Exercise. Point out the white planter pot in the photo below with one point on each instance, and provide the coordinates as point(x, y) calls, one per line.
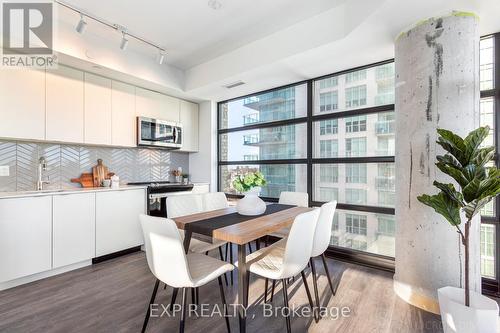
point(480, 317)
point(251, 204)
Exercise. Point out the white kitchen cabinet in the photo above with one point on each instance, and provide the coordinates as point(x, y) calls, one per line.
point(64, 107)
point(148, 103)
point(117, 220)
point(22, 104)
point(97, 112)
point(189, 121)
point(124, 125)
point(170, 108)
point(25, 236)
point(152, 104)
point(73, 230)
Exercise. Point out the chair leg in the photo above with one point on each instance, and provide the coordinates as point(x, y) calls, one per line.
point(272, 291)
point(174, 296)
point(250, 248)
point(327, 271)
point(248, 285)
point(315, 285)
point(232, 261)
point(193, 296)
point(222, 258)
point(224, 304)
point(285, 301)
point(257, 244)
point(183, 310)
point(225, 254)
point(151, 301)
point(265, 290)
point(308, 292)
point(197, 294)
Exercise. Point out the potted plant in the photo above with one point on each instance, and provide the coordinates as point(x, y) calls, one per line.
point(250, 184)
point(463, 310)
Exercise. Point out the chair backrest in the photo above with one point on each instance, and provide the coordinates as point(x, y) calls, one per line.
point(180, 205)
point(214, 201)
point(323, 231)
point(299, 243)
point(165, 252)
point(300, 199)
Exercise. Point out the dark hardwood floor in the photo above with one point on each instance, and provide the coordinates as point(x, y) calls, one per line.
point(112, 297)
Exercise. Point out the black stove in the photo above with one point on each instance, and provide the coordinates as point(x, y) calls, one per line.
point(157, 193)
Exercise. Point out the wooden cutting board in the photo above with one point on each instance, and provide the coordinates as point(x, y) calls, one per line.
point(86, 180)
point(99, 172)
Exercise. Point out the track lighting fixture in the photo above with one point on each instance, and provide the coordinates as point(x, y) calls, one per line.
point(124, 42)
point(85, 16)
point(161, 57)
point(81, 26)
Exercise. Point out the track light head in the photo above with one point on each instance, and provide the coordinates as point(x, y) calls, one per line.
point(81, 26)
point(161, 57)
point(124, 42)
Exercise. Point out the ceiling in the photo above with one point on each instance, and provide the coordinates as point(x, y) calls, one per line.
point(269, 43)
point(192, 32)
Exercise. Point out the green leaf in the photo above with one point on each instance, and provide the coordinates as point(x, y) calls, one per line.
point(474, 139)
point(449, 160)
point(453, 172)
point(443, 205)
point(475, 206)
point(453, 144)
point(449, 190)
point(483, 156)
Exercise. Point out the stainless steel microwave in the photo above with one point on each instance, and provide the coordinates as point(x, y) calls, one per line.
point(159, 133)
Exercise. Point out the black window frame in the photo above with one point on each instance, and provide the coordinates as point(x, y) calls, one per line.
point(342, 253)
point(491, 286)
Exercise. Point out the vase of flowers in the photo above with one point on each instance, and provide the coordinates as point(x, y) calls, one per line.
point(250, 184)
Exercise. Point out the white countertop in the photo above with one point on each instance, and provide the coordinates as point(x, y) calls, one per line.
point(20, 194)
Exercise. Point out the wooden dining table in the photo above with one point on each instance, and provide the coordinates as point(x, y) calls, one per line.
point(227, 225)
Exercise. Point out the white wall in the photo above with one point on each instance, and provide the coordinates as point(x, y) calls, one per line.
point(203, 165)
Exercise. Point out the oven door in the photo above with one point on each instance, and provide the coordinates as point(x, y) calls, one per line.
point(154, 132)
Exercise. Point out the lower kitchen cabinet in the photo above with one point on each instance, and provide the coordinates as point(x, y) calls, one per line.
point(25, 236)
point(117, 220)
point(73, 228)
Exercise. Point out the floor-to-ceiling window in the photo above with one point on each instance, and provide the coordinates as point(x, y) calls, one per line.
point(361, 157)
point(490, 108)
point(265, 132)
point(332, 137)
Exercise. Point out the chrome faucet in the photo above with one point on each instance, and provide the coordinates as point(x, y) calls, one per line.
point(42, 166)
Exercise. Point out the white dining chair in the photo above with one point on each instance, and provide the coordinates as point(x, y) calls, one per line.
point(169, 263)
point(287, 257)
point(300, 199)
point(181, 205)
point(321, 243)
point(214, 201)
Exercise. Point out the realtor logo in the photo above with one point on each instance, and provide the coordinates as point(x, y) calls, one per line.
point(27, 34)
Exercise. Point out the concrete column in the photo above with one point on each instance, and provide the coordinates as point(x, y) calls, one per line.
point(437, 86)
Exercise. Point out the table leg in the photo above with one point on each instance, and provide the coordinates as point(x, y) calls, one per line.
point(187, 240)
point(242, 286)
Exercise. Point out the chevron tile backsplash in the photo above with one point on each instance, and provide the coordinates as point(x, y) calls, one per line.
point(69, 161)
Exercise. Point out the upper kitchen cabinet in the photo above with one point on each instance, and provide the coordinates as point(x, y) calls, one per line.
point(64, 107)
point(98, 112)
point(189, 121)
point(152, 104)
point(171, 108)
point(124, 126)
point(22, 104)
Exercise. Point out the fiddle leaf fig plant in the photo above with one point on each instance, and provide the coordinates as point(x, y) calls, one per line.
point(466, 162)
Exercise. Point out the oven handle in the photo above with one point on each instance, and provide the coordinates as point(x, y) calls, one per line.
point(167, 194)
